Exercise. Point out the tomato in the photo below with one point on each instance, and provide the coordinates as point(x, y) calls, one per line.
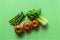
point(35, 24)
point(27, 26)
point(18, 29)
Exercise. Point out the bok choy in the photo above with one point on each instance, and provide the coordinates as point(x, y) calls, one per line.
point(35, 14)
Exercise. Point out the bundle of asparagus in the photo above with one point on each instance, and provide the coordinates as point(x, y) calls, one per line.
point(17, 19)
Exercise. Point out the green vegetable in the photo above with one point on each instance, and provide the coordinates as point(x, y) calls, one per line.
point(42, 21)
point(34, 14)
point(21, 18)
point(14, 19)
point(17, 19)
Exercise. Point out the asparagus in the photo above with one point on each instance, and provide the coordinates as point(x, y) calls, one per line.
point(14, 19)
point(21, 18)
point(17, 19)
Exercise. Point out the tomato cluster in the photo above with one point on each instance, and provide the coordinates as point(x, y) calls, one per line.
point(26, 26)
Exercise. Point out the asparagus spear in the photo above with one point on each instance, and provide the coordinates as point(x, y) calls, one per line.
point(17, 19)
point(21, 18)
point(14, 19)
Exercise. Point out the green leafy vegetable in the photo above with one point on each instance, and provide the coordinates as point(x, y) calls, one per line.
point(34, 14)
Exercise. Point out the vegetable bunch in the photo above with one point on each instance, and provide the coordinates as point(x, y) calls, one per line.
point(17, 19)
point(35, 14)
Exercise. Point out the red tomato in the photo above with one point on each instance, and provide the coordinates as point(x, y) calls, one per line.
point(27, 26)
point(18, 29)
point(35, 24)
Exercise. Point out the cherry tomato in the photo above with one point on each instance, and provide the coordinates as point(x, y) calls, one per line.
point(27, 26)
point(18, 29)
point(35, 24)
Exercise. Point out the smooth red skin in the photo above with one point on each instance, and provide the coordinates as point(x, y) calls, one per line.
point(15, 29)
point(27, 24)
point(35, 22)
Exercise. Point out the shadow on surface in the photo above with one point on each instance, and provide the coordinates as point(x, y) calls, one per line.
point(37, 29)
point(21, 35)
point(45, 27)
point(29, 32)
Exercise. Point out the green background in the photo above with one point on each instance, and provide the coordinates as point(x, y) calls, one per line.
point(50, 11)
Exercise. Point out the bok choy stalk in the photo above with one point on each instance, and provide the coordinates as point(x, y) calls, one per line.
point(34, 14)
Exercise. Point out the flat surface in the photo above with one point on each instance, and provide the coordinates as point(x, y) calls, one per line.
point(50, 11)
